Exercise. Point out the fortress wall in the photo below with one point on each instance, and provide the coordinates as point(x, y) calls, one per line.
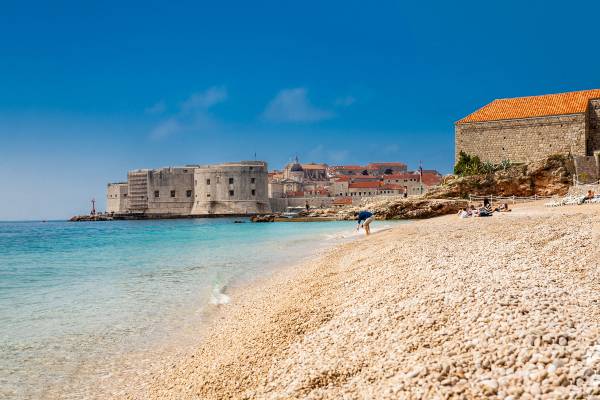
point(171, 191)
point(116, 197)
point(522, 140)
point(234, 188)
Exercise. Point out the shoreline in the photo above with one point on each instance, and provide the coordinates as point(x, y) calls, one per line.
point(413, 312)
point(134, 368)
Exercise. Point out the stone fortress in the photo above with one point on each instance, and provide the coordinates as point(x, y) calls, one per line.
point(526, 129)
point(238, 188)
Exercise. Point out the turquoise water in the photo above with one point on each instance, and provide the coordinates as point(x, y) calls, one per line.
point(74, 297)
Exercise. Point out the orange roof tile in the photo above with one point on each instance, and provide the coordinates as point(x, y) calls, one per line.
point(348, 167)
point(431, 179)
point(364, 185)
point(533, 106)
point(404, 175)
point(385, 164)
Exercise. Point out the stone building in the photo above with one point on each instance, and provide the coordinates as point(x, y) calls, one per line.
point(116, 197)
point(526, 129)
point(386, 168)
point(232, 188)
point(193, 190)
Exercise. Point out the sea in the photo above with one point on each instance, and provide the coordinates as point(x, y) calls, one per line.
point(79, 300)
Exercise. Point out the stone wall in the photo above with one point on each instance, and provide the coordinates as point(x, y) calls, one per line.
point(593, 127)
point(523, 140)
point(116, 197)
point(587, 168)
point(235, 188)
point(171, 191)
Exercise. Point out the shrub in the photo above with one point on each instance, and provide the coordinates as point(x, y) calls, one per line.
point(472, 165)
point(467, 165)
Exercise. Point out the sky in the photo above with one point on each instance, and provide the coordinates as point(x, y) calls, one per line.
point(90, 90)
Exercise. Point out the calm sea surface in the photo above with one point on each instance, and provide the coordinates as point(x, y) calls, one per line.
point(74, 297)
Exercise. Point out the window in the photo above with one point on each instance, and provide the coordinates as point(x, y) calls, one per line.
point(188, 193)
point(172, 193)
point(231, 181)
point(208, 181)
point(195, 182)
point(125, 195)
point(252, 180)
point(207, 194)
point(253, 192)
point(231, 192)
point(156, 193)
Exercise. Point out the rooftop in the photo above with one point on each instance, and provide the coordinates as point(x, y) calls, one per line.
point(386, 164)
point(533, 106)
point(364, 185)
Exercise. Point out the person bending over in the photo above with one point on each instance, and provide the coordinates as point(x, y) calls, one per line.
point(364, 219)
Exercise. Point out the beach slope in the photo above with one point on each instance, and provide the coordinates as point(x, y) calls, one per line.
point(482, 307)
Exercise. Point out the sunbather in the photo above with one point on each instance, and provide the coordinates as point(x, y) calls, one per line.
point(589, 196)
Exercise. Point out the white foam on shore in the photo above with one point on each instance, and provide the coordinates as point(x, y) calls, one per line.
point(217, 296)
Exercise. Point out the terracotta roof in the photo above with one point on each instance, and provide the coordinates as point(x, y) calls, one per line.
point(534, 106)
point(386, 164)
point(343, 179)
point(430, 179)
point(349, 167)
point(364, 185)
point(364, 178)
point(405, 175)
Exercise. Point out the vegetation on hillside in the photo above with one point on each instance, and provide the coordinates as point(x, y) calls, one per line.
point(468, 165)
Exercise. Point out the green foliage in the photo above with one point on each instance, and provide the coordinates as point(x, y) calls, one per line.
point(504, 165)
point(467, 165)
point(471, 165)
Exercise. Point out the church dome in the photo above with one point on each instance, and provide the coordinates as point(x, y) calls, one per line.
point(296, 168)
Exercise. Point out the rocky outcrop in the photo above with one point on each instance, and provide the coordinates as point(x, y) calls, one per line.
point(263, 218)
point(97, 217)
point(400, 208)
point(552, 176)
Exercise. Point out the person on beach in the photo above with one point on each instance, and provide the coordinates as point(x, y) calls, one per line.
point(463, 213)
point(503, 208)
point(590, 195)
point(364, 219)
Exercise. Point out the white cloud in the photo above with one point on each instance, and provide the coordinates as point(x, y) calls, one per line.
point(157, 108)
point(293, 105)
point(204, 100)
point(193, 114)
point(166, 128)
point(321, 153)
point(345, 101)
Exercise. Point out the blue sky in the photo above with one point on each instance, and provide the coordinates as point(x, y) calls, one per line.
point(89, 91)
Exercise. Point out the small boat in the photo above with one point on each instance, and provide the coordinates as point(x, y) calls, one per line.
point(292, 212)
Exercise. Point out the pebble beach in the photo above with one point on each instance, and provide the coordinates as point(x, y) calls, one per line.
point(504, 307)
